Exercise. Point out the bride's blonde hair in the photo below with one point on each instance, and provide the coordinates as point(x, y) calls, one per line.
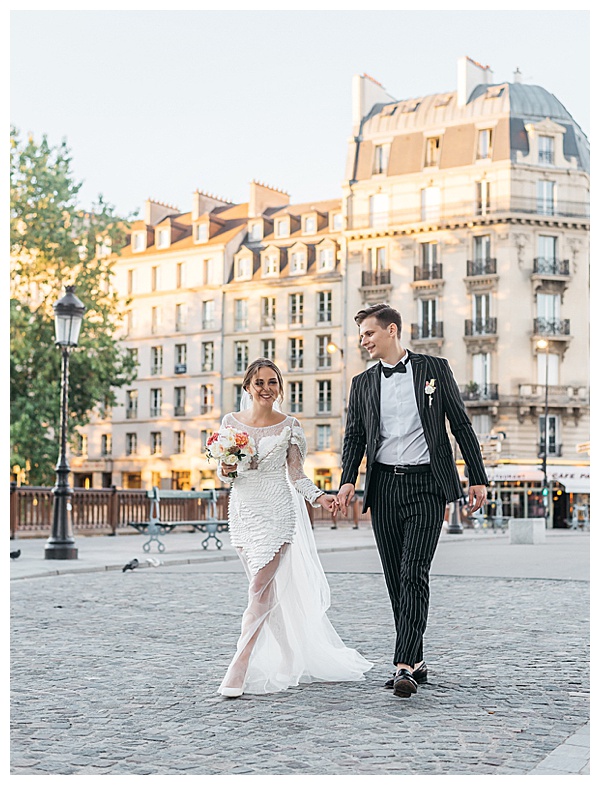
point(254, 368)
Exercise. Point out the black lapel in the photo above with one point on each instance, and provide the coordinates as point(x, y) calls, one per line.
point(417, 362)
point(374, 401)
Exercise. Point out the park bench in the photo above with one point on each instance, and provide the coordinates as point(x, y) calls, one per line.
point(155, 526)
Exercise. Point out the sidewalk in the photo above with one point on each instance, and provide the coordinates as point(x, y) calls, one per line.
point(116, 673)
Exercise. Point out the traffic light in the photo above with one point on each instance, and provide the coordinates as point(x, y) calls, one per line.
point(544, 491)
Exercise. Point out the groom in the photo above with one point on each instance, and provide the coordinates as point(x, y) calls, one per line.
point(397, 411)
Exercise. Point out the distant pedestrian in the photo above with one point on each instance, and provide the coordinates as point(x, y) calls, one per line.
point(397, 412)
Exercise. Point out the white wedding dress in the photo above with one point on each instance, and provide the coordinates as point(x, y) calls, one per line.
point(286, 637)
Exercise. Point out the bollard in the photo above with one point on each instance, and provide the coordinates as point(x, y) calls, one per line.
point(526, 531)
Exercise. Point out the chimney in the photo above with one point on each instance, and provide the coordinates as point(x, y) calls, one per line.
point(366, 92)
point(517, 76)
point(471, 74)
point(204, 203)
point(264, 196)
point(154, 211)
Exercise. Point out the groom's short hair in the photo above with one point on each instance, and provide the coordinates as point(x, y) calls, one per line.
point(384, 314)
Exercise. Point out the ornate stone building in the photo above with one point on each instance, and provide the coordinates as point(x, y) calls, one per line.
point(467, 210)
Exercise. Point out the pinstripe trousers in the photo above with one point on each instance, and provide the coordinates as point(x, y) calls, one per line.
point(407, 512)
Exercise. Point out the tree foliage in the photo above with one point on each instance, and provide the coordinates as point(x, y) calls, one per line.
point(54, 243)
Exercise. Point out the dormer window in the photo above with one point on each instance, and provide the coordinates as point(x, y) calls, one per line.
point(243, 268)
point(282, 227)
point(326, 259)
point(201, 233)
point(163, 238)
point(337, 222)
point(255, 232)
point(271, 264)
point(298, 262)
point(138, 242)
point(380, 159)
point(310, 224)
point(484, 143)
point(546, 150)
point(432, 151)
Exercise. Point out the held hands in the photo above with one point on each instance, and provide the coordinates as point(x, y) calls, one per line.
point(344, 497)
point(329, 503)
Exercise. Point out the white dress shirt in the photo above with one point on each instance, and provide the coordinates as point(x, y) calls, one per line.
point(401, 437)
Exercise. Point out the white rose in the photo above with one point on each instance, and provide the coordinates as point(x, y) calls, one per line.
point(227, 438)
point(229, 460)
point(216, 450)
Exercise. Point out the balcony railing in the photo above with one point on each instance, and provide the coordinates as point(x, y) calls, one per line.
point(432, 273)
point(179, 411)
point(481, 326)
point(542, 266)
point(425, 331)
point(180, 368)
point(551, 326)
point(554, 450)
point(481, 267)
point(557, 394)
point(453, 211)
point(131, 414)
point(479, 392)
point(267, 321)
point(379, 278)
point(155, 411)
point(156, 370)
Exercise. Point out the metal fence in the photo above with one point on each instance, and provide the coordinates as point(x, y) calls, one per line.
point(104, 511)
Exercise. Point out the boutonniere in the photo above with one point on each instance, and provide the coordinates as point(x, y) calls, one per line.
point(430, 388)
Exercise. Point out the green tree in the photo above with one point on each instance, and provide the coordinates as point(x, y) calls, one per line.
point(54, 243)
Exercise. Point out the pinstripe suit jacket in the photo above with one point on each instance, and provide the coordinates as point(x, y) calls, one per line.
point(362, 426)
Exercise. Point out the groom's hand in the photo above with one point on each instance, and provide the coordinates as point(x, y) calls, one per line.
point(477, 496)
point(345, 494)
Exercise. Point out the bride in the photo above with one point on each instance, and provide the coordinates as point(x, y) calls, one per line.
point(286, 637)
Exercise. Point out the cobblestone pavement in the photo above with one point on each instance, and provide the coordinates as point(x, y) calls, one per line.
point(116, 673)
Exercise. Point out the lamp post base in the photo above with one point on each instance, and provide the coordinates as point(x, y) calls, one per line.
point(60, 550)
point(454, 524)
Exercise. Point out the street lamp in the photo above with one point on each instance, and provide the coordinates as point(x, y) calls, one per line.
point(68, 315)
point(543, 344)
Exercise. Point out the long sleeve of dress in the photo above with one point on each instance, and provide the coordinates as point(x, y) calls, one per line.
point(295, 463)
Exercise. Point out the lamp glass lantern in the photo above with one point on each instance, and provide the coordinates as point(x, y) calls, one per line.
point(68, 316)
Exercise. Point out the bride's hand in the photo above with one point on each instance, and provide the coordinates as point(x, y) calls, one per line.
point(228, 468)
point(328, 502)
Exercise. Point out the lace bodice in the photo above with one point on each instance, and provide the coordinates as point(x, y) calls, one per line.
point(262, 514)
point(278, 446)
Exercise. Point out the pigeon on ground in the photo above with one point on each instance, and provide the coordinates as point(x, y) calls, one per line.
point(131, 565)
point(153, 562)
point(15, 554)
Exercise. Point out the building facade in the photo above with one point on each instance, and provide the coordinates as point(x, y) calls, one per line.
point(466, 210)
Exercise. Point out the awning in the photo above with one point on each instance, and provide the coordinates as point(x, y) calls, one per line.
point(576, 479)
point(510, 473)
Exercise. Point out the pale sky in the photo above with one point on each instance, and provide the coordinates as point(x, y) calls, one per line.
point(159, 103)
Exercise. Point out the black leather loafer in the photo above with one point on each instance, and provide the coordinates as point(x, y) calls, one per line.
point(404, 684)
point(419, 675)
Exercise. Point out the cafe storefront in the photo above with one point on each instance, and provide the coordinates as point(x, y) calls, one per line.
point(515, 491)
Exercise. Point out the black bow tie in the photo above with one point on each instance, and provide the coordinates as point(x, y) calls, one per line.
point(400, 368)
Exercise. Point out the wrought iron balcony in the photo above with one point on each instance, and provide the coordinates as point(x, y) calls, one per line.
point(554, 450)
point(179, 411)
point(542, 266)
point(481, 267)
point(378, 278)
point(180, 368)
point(481, 326)
point(551, 326)
point(155, 411)
point(479, 392)
point(131, 414)
point(432, 273)
point(426, 330)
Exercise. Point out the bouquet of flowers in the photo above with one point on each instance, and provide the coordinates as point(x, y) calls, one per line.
point(230, 447)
